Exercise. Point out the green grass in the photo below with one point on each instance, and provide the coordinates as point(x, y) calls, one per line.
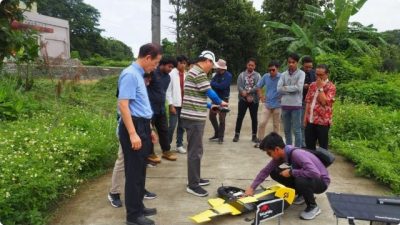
point(52, 144)
point(369, 135)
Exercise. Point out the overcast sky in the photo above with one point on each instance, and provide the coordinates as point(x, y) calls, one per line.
point(130, 20)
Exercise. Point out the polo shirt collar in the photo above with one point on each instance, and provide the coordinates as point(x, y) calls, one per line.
point(138, 67)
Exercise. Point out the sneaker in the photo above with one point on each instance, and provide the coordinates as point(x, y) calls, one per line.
point(115, 200)
point(151, 165)
point(169, 156)
point(213, 138)
point(204, 182)
point(181, 149)
point(236, 138)
point(299, 200)
point(149, 195)
point(310, 212)
point(199, 191)
point(154, 158)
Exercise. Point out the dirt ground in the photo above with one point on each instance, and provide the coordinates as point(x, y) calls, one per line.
point(234, 164)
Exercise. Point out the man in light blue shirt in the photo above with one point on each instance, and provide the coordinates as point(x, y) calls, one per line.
point(135, 134)
point(272, 100)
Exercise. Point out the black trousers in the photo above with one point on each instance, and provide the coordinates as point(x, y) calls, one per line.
point(135, 166)
point(160, 122)
point(303, 186)
point(219, 129)
point(242, 108)
point(314, 133)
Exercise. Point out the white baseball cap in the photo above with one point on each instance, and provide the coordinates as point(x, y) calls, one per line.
point(209, 55)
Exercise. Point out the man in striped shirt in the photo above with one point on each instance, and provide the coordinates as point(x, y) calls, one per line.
point(194, 113)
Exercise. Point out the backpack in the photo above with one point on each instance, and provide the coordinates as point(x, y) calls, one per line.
point(325, 156)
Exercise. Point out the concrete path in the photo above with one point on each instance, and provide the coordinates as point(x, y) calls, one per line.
point(234, 164)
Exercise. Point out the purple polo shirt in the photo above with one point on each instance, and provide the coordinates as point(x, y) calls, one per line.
point(304, 164)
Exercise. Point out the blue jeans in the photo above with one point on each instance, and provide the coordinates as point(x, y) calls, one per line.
point(173, 119)
point(292, 124)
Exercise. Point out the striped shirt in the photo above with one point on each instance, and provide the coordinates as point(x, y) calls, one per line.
point(195, 97)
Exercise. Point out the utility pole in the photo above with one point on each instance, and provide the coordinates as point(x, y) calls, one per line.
point(156, 21)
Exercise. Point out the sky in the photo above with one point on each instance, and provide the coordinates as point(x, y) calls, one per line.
point(130, 20)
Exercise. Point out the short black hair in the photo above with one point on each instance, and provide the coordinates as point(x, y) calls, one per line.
point(323, 66)
point(182, 58)
point(167, 60)
point(150, 49)
point(306, 59)
point(252, 60)
point(294, 56)
point(271, 141)
point(191, 62)
point(274, 63)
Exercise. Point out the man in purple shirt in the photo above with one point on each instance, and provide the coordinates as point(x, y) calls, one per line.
point(306, 174)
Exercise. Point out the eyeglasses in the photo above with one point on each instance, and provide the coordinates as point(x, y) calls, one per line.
point(272, 70)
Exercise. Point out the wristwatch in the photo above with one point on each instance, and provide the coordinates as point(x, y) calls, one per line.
point(320, 89)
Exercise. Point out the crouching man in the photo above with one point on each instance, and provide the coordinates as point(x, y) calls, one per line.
point(306, 174)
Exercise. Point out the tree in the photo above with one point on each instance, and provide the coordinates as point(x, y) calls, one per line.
point(83, 20)
point(13, 42)
point(232, 29)
point(178, 8)
point(286, 12)
point(329, 30)
point(84, 27)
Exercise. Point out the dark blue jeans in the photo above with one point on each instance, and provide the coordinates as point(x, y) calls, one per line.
point(173, 120)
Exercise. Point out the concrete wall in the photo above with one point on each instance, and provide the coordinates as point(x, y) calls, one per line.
point(56, 44)
point(67, 71)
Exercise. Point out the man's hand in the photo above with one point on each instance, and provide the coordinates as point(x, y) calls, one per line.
point(249, 191)
point(306, 86)
point(135, 141)
point(154, 138)
point(305, 122)
point(320, 83)
point(223, 104)
point(243, 93)
point(172, 109)
point(285, 173)
point(262, 98)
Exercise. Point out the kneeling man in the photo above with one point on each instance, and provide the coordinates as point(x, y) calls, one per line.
point(306, 174)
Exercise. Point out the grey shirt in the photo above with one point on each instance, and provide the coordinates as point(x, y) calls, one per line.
point(291, 88)
point(241, 84)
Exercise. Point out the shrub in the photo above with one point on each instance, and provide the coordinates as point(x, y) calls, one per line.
point(47, 156)
point(379, 92)
point(341, 70)
point(369, 136)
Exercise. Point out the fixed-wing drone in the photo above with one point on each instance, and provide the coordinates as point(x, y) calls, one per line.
point(232, 200)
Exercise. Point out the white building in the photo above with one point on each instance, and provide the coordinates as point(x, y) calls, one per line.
point(54, 41)
point(55, 44)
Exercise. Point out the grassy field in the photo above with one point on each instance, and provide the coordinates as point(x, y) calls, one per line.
point(52, 138)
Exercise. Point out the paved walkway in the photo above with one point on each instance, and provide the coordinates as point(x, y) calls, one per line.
point(234, 164)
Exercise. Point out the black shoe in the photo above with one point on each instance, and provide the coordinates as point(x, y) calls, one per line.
point(213, 138)
point(199, 191)
point(236, 138)
point(254, 138)
point(149, 195)
point(149, 211)
point(220, 141)
point(115, 200)
point(204, 182)
point(141, 220)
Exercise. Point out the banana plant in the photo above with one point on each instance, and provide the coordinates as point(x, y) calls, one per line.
point(329, 30)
